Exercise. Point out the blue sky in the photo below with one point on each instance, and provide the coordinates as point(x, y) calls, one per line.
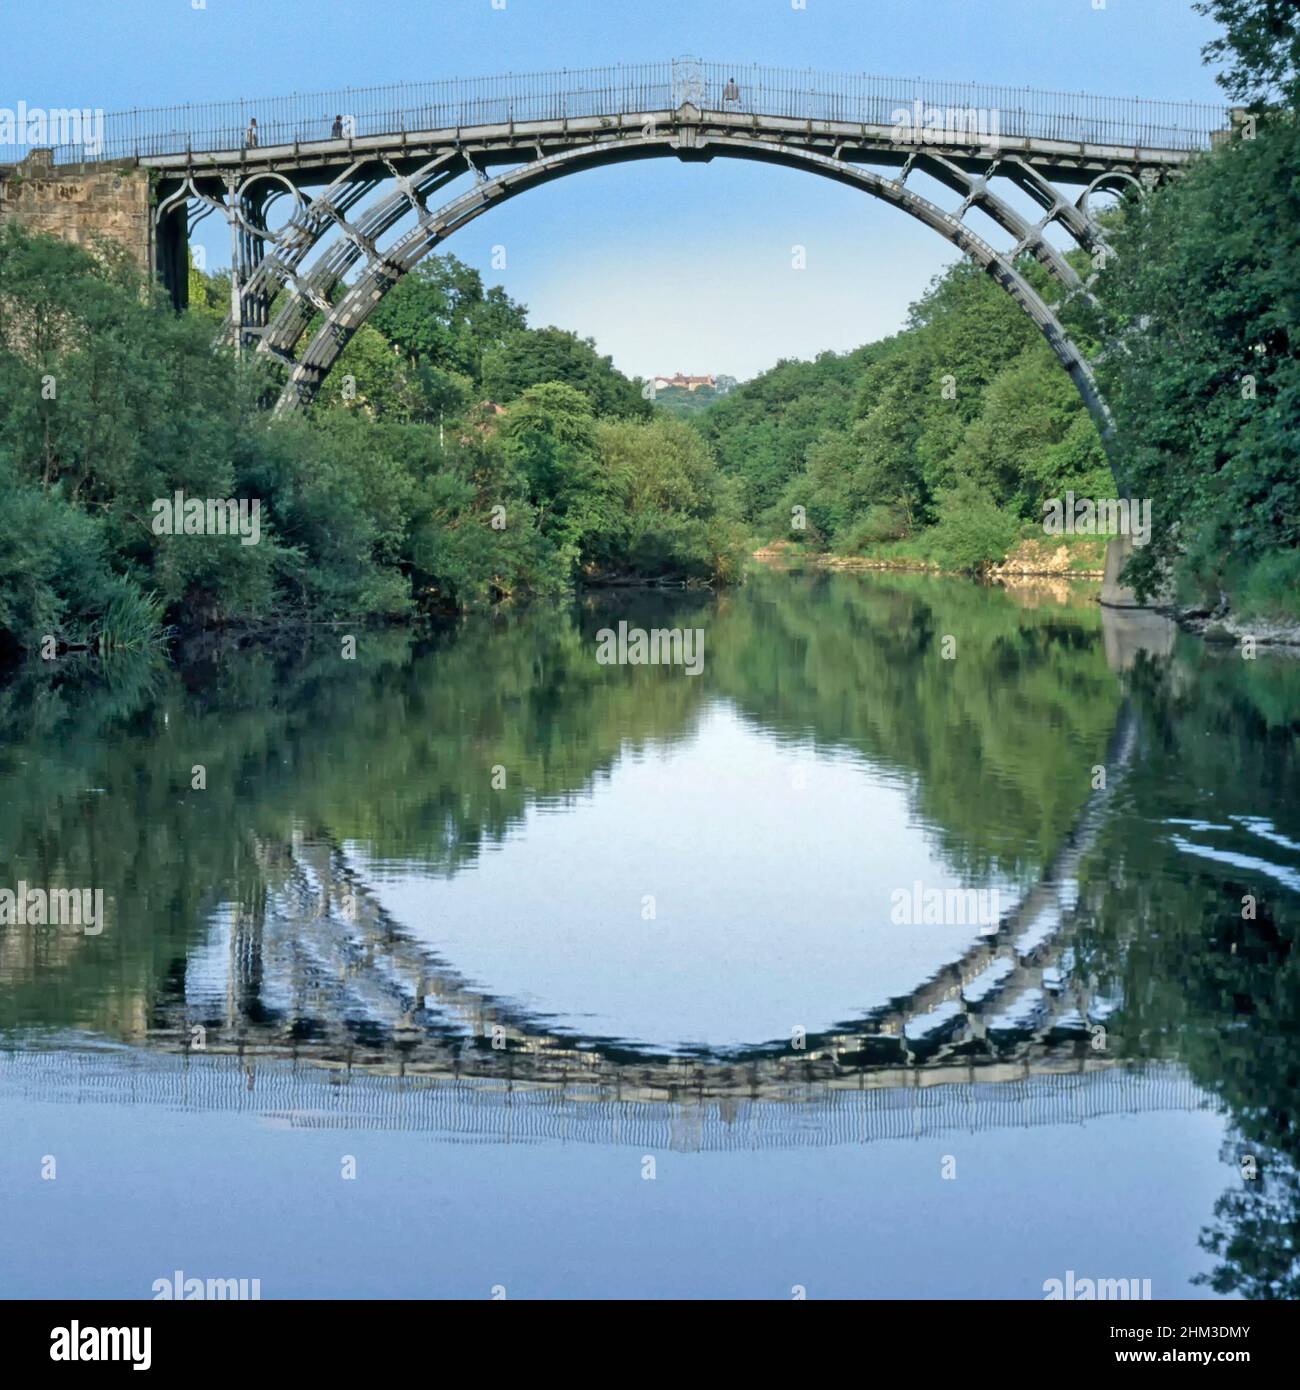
point(667, 266)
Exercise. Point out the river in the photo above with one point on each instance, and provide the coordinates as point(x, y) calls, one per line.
point(904, 937)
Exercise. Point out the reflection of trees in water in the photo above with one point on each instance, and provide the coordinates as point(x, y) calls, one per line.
point(981, 739)
point(397, 749)
point(1165, 932)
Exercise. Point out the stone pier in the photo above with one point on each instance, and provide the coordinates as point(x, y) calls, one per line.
point(81, 203)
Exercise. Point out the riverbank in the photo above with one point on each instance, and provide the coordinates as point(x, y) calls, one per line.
point(1033, 563)
point(1028, 558)
point(1227, 629)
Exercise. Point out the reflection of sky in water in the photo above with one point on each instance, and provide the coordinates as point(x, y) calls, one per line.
point(772, 868)
point(773, 865)
point(1256, 826)
point(228, 1195)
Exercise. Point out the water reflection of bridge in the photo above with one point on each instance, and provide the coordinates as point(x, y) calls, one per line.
point(801, 1115)
point(314, 969)
point(317, 1009)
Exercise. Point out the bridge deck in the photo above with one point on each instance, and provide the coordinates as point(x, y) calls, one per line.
point(503, 142)
point(542, 100)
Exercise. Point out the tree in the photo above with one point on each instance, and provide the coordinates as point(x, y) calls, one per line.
point(866, 442)
point(761, 431)
point(1016, 448)
point(1262, 46)
point(108, 401)
point(1207, 388)
point(440, 316)
point(550, 437)
point(672, 513)
point(532, 356)
point(372, 376)
point(972, 532)
point(399, 490)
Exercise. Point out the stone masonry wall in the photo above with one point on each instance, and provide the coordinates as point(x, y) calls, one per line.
point(79, 203)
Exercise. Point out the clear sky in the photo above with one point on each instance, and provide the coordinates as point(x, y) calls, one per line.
point(668, 266)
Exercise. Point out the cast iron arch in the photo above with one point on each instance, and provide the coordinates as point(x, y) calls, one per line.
point(383, 269)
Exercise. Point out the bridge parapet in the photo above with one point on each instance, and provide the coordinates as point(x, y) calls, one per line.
point(749, 89)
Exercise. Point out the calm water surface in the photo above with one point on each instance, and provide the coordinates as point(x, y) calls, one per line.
point(603, 980)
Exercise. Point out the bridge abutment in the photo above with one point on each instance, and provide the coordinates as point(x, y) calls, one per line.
point(1114, 593)
point(86, 204)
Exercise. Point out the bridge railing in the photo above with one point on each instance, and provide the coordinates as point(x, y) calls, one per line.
point(802, 94)
point(1075, 117)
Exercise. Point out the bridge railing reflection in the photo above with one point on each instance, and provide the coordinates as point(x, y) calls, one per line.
point(309, 1096)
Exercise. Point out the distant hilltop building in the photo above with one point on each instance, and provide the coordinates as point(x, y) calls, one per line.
point(684, 383)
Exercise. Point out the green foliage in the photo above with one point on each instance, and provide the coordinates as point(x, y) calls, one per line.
point(550, 440)
point(209, 295)
point(1207, 387)
point(478, 537)
point(108, 401)
point(396, 494)
point(1262, 44)
point(762, 431)
point(967, 405)
point(1032, 439)
point(531, 356)
point(127, 620)
point(52, 566)
point(372, 376)
point(673, 513)
point(1269, 588)
point(971, 531)
point(620, 498)
point(682, 403)
point(440, 316)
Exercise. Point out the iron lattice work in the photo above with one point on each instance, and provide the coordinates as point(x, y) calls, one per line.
point(365, 178)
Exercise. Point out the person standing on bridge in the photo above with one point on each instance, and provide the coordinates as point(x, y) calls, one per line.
point(250, 135)
point(731, 94)
point(336, 131)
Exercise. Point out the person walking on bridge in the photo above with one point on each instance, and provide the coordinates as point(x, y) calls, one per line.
point(336, 131)
point(731, 94)
point(250, 135)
